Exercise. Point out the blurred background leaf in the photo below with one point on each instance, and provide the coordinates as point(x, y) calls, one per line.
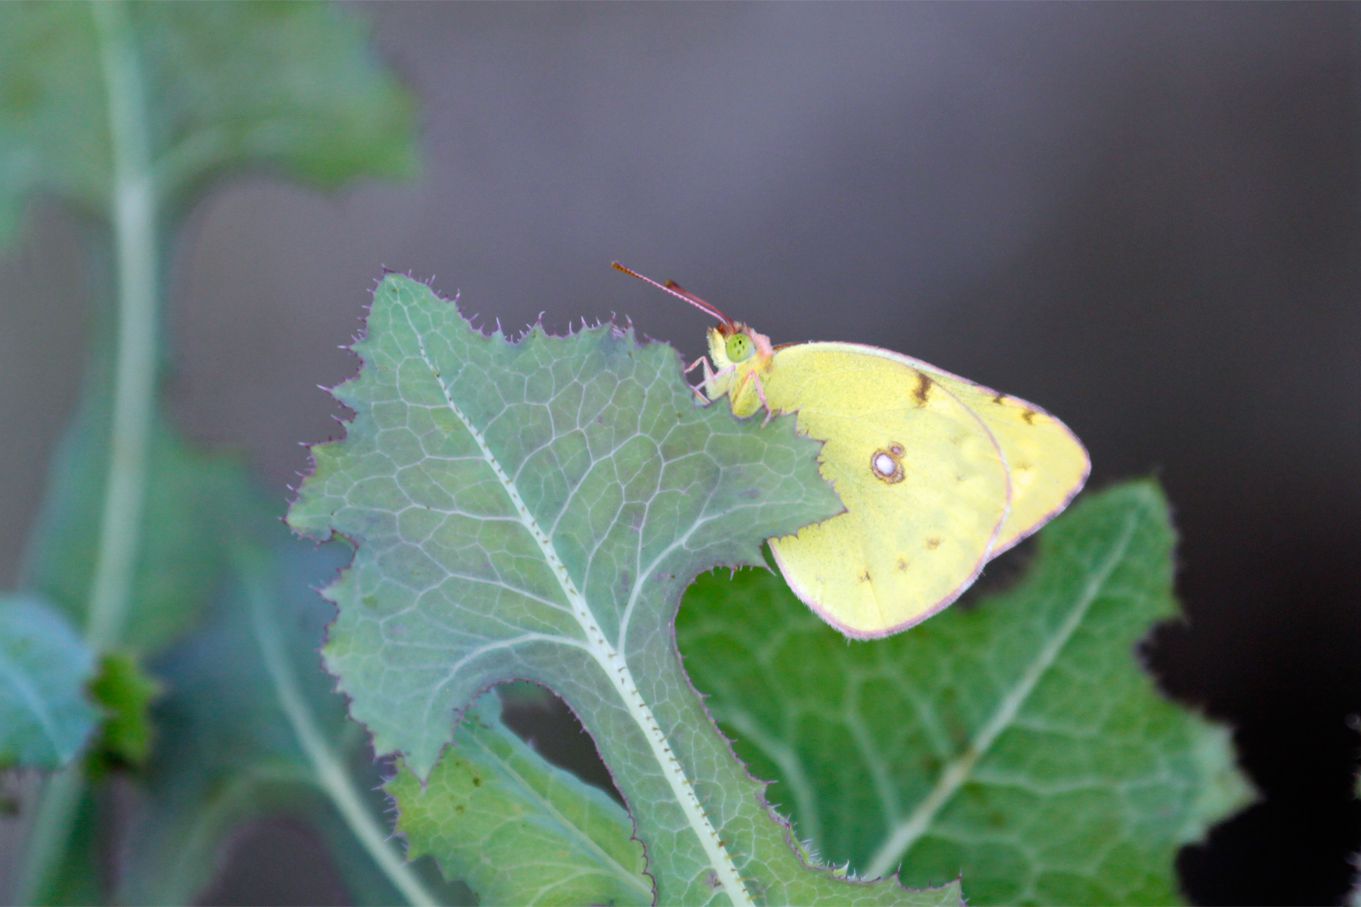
point(288, 85)
point(251, 727)
point(127, 111)
point(45, 715)
point(197, 506)
point(125, 693)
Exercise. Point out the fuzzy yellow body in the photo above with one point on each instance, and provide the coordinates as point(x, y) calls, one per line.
point(937, 474)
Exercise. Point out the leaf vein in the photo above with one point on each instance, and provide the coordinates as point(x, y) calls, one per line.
point(953, 776)
point(610, 660)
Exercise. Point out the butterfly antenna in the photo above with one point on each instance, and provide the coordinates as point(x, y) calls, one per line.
point(707, 308)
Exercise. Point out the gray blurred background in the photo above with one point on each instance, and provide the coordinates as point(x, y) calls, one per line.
point(1146, 218)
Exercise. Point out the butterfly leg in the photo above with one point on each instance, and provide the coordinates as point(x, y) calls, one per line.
point(714, 384)
point(699, 390)
point(755, 380)
point(690, 368)
point(761, 393)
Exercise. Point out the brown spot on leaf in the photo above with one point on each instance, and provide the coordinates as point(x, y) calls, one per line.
point(923, 389)
point(933, 543)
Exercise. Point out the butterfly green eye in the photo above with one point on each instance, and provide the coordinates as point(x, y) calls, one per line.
point(738, 347)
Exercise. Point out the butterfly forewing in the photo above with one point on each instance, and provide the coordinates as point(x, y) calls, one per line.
point(924, 484)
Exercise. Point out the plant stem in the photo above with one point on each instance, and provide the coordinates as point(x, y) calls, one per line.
point(331, 774)
point(132, 205)
point(48, 834)
point(134, 381)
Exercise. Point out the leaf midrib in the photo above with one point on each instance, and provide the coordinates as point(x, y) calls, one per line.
point(608, 658)
point(906, 833)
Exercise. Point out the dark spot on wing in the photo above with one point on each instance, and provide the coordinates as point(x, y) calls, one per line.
point(923, 389)
point(999, 399)
point(864, 577)
point(902, 564)
point(933, 543)
point(1029, 416)
point(892, 454)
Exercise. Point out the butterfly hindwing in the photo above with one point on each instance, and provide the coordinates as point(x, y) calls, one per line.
point(923, 480)
point(1048, 464)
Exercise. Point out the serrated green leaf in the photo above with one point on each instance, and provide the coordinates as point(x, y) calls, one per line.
point(533, 510)
point(125, 692)
point(249, 727)
point(1017, 741)
point(517, 829)
point(45, 714)
point(291, 85)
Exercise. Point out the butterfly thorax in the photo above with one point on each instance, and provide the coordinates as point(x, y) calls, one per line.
point(741, 357)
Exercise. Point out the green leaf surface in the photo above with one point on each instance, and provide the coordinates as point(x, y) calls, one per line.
point(292, 85)
point(517, 829)
point(1017, 740)
point(250, 727)
point(195, 505)
point(45, 714)
point(125, 693)
point(533, 510)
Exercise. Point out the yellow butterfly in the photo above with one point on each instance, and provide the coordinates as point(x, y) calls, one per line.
point(938, 475)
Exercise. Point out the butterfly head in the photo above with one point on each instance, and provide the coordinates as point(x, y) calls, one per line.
point(734, 348)
point(734, 345)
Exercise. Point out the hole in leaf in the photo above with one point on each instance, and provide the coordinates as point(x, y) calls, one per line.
point(539, 717)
